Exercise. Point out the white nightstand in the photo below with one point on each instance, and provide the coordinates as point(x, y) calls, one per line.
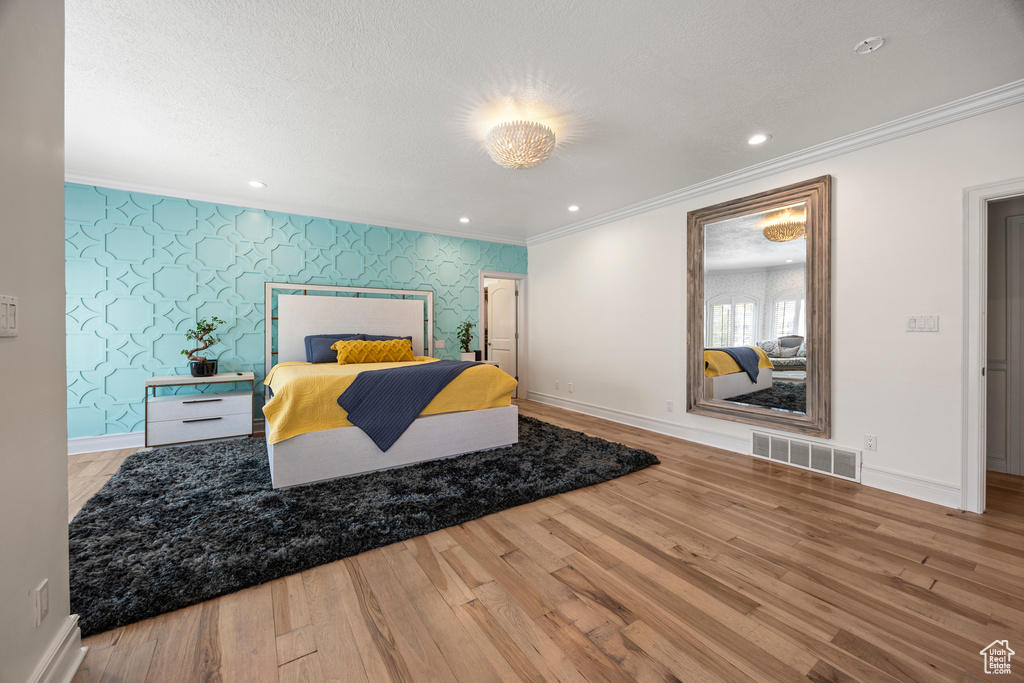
point(184, 418)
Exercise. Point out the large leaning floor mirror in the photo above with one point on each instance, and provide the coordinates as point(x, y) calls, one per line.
point(759, 301)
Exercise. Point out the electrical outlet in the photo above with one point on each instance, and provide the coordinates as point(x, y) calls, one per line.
point(556, 385)
point(870, 442)
point(668, 406)
point(42, 601)
point(439, 343)
point(570, 387)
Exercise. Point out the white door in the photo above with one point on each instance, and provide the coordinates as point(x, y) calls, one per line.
point(501, 324)
point(1005, 358)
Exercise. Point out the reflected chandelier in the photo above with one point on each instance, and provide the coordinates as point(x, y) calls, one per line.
point(520, 144)
point(785, 228)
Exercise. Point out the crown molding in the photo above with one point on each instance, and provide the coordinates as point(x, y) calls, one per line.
point(996, 98)
point(113, 183)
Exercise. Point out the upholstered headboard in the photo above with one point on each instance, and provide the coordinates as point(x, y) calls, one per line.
point(352, 310)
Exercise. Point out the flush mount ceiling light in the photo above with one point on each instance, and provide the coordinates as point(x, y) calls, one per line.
point(785, 227)
point(520, 144)
point(869, 45)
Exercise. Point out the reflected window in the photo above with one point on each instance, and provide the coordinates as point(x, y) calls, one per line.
point(732, 321)
point(789, 311)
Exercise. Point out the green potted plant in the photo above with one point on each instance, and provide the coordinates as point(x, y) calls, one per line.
point(202, 334)
point(465, 331)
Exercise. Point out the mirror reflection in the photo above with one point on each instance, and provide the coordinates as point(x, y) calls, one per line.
point(758, 325)
point(755, 309)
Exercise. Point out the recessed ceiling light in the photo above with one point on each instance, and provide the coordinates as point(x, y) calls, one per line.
point(463, 220)
point(869, 45)
point(256, 183)
point(759, 138)
point(574, 208)
point(789, 260)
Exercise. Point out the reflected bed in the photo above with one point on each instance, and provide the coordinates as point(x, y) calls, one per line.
point(724, 378)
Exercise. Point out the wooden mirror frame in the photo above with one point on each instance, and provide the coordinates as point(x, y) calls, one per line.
point(817, 193)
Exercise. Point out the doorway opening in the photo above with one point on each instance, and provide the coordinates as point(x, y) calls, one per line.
point(984, 207)
point(503, 324)
point(1004, 396)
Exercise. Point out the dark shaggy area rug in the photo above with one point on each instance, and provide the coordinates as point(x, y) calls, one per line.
point(179, 525)
point(782, 395)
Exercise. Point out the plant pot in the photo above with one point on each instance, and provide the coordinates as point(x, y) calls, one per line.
point(468, 356)
point(202, 368)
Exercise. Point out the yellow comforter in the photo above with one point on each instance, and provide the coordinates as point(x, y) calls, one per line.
point(718, 363)
point(306, 394)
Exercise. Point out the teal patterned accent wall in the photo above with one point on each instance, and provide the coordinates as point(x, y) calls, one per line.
point(141, 268)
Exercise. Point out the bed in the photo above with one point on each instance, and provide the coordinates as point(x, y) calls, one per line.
point(723, 377)
point(453, 424)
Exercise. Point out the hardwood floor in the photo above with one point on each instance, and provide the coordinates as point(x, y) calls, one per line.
point(712, 566)
point(88, 472)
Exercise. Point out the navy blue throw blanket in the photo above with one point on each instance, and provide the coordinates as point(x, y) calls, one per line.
point(383, 403)
point(745, 357)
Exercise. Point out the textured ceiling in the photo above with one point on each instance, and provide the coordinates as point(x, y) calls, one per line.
point(739, 243)
point(375, 111)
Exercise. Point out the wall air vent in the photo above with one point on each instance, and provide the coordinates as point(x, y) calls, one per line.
point(817, 457)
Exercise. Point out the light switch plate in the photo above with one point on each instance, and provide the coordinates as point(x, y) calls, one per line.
point(922, 323)
point(9, 315)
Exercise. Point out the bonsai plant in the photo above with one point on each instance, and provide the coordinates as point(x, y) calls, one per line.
point(202, 334)
point(465, 331)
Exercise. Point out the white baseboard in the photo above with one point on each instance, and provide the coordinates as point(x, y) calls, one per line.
point(63, 657)
point(996, 464)
point(107, 442)
point(908, 485)
point(113, 442)
point(894, 482)
point(701, 436)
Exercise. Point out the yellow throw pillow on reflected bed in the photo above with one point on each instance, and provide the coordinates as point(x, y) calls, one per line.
point(358, 351)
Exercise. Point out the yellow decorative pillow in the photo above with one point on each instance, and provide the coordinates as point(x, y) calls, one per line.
point(358, 351)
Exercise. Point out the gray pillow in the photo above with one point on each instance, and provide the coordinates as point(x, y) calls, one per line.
point(318, 346)
point(770, 347)
point(790, 352)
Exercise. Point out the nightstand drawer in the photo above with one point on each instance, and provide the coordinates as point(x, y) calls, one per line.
point(199, 428)
point(189, 406)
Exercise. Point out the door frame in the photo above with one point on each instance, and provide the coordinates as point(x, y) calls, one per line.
point(975, 337)
point(522, 345)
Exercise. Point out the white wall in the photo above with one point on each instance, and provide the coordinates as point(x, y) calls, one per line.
point(33, 449)
point(608, 311)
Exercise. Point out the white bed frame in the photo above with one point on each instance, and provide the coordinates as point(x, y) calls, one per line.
point(736, 384)
point(347, 451)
